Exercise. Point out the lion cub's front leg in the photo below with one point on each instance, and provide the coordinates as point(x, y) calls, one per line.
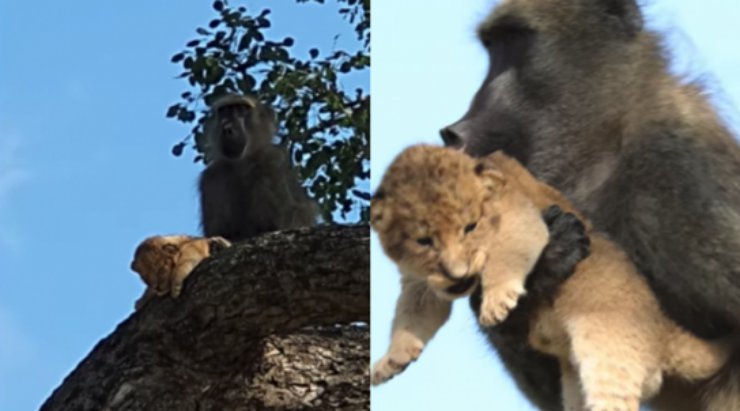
point(514, 251)
point(191, 254)
point(419, 314)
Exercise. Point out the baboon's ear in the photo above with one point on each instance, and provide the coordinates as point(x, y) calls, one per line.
point(269, 113)
point(493, 179)
point(268, 117)
point(624, 15)
point(379, 218)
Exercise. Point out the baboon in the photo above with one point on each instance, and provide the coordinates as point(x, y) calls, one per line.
point(451, 222)
point(163, 262)
point(248, 187)
point(580, 92)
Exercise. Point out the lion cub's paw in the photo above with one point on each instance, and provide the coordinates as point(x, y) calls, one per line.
point(498, 302)
point(218, 243)
point(395, 361)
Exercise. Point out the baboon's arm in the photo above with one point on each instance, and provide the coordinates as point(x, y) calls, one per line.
point(217, 210)
point(568, 244)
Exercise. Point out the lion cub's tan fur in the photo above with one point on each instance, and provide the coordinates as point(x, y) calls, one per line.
point(163, 262)
point(605, 326)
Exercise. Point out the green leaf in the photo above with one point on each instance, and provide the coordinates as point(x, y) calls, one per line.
point(245, 40)
point(263, 22)
point(313, 53)
point(177, 57)
point(361, 194)
point(246, 84)
point(218, 5)
point(199, 64)
point(185, 116)
point(173, 110)
point(288, 42)
point(214, 74)
point(177, 149)
point(192, 43)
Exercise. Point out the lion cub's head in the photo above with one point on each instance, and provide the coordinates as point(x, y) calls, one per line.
point(154, 258)
point(432, 212)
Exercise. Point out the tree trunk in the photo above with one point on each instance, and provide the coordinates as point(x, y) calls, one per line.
point(257, 327)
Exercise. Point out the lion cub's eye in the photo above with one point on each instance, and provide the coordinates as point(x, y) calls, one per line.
point(425, 241)
point(470, 227)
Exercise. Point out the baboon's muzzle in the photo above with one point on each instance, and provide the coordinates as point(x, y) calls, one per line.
point(233, 140)
point(450, 137)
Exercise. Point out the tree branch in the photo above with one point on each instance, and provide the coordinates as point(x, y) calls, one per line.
point(254, 329)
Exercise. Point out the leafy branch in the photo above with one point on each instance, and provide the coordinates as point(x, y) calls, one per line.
point(325, 127)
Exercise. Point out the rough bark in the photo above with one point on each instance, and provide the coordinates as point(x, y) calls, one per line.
point(256, 328)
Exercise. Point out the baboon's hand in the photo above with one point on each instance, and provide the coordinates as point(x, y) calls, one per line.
point(568, 245)
point(498, 301)
point(404, 350)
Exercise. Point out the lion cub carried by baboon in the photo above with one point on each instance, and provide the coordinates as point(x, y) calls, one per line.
point(453, 223)
point(163, 262)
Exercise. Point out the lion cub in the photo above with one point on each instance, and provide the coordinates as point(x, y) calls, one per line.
point(451, 222)
point(163, 262)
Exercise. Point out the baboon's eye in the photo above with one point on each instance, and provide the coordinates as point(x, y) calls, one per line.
point(508, 43)
point(243, 109)
point(470, 227)
point(234, 110)
point(223, 111)
point(425, 241)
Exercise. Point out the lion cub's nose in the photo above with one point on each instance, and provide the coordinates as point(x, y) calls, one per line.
point(456, 269)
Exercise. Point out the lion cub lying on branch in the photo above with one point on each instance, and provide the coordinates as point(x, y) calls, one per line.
point(450, 222)
point(163, 262)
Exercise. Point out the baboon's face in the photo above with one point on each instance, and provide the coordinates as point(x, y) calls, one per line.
point(242, 126)
point(232, 122)
point(553, 67)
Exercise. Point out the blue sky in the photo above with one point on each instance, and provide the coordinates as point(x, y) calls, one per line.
point(426, 67)
point(85, 166)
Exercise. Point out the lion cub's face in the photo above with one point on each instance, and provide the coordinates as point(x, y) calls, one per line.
point(155, 258)
point(432, 212)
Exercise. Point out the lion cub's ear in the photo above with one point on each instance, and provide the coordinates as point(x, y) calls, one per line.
point(379, 212)
point(493, 179)
point(171, 249)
